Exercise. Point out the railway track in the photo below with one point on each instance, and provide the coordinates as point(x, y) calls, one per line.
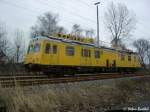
point(12, 81)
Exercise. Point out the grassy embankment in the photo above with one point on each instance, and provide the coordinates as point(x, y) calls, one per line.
point(77, 97)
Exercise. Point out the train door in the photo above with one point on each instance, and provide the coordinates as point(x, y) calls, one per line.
point(85, 57)
point(88, 61)
point(54, 54)
point(107, 63)
point(114, 63)
point(97, 56)
point(47, 56)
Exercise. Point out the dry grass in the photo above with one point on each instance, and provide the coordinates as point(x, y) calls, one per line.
point(76, 97)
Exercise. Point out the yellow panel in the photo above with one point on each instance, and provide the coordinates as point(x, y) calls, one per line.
point(77, 60)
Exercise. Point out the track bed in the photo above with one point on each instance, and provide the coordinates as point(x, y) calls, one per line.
point(12, 81)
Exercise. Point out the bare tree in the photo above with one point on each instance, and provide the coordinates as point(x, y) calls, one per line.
point(119, 21)
point(3, 41)
point(143, 47)
point(148, 56)
point(47, 24)
point(76, 30)
point(61, 29)
point(19, 45)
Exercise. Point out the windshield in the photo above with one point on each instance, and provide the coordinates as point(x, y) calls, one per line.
point(34, 48)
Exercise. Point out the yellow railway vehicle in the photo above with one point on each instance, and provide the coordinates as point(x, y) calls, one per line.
point(50, 54)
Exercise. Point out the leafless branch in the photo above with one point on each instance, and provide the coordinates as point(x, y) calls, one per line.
point(119, 21)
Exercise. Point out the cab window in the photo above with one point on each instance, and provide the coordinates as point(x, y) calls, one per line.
point(70, 51)
point(47, 48)
point(37, 47)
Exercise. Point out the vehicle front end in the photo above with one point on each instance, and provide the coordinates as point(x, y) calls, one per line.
point(33, 57)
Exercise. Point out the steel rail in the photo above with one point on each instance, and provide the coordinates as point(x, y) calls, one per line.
point(40, 80)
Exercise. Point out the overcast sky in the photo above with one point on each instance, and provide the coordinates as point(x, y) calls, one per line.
point(22, 14)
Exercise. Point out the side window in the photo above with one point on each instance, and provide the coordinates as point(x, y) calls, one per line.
point(47, 48)
point(70, 51)
point(129, 57)
point(85, 52)
point(54, 49)
point(97, 54)
point(122, 56)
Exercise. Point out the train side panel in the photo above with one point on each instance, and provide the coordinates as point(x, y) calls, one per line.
point(55, 53)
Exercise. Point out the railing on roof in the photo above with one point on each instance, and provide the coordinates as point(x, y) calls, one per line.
point(73, 37)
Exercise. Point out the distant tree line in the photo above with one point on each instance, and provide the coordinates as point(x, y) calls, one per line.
point(48, 24)
point(11, 51)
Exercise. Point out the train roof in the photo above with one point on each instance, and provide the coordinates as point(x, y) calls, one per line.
point(51, 38)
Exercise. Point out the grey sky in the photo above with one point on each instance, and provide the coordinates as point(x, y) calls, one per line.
point(22, 14)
